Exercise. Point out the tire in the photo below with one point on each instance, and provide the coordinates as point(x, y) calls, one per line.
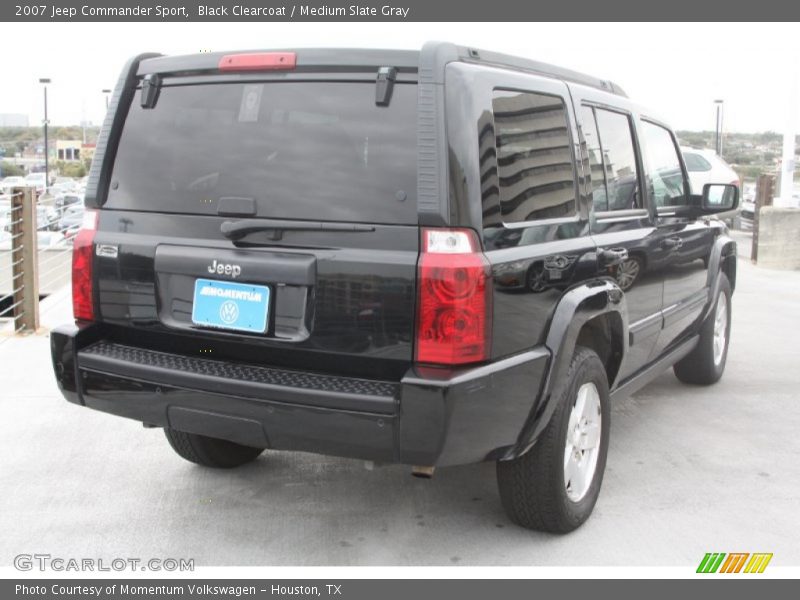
point(535, 280)
point(534, 487)
point(628, 272)
point(210, 452)
point(704, 365)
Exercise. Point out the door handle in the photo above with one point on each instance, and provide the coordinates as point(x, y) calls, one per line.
point(612, 256)
point(672, 243)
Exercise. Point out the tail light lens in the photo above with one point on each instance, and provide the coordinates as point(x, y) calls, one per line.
point(82, 258)
point(454, 308)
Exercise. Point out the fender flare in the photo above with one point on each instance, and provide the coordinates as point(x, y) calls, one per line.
point(723, 251)
point(576, 307)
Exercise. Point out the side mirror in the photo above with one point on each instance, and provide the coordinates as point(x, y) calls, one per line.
point(719, 197)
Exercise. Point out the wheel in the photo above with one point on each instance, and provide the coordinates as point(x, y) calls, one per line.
point(208, 451)
point(705, 364)
point(554, 486)
point(536, 282)
point(628, 271)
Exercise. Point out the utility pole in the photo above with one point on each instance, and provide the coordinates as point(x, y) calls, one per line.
point(718, 135)
point(44, 81)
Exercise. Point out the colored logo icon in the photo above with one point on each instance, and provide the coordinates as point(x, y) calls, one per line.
point(734, 562)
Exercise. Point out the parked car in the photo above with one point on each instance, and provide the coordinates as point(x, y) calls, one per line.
point(747, 210)
point(63, 185)
point(5, 216)
point(705, 166)
point(62, 201)
point(327, 276)
point(36, 180)
point(47, 217)
point(11, 181)
point(71, 220)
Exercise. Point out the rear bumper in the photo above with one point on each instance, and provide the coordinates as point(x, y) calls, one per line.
point(430, 417)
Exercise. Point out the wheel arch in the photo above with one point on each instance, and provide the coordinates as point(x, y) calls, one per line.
point(593, 314)
point(721, 260)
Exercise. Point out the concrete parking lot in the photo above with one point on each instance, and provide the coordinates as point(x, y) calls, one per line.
point(690, 470)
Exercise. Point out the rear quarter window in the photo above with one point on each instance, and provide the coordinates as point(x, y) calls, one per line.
point(535, 167)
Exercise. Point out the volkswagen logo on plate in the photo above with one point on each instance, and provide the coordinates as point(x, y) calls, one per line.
point(228, 312)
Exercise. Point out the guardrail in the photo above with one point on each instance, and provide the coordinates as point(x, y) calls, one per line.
point(35, 252)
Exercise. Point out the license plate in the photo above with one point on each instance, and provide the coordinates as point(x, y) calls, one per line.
point(226, 305)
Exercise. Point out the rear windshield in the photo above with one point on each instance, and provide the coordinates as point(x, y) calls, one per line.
point(301, 150)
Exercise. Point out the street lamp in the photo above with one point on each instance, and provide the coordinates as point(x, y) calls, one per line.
point(44, 81)
point(718, 136)
point(106, 92)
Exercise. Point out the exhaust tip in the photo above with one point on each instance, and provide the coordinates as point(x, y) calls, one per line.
point(423, 472)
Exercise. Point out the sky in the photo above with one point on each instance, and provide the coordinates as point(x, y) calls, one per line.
point(675, 69)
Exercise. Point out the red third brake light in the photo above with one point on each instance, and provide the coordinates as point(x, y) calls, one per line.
point(82, 259)
point(258, 61)
point(454, 301)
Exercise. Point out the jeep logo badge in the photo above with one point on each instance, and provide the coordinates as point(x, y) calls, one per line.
point(225, 269)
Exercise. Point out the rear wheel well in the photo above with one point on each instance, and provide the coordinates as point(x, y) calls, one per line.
point(603, 334)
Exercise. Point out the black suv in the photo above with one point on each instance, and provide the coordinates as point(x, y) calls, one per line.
point(430, 257)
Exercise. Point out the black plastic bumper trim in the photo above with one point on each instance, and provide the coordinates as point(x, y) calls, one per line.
point(250, 381)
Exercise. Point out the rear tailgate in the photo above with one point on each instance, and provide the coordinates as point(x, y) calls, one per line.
point(318, 185)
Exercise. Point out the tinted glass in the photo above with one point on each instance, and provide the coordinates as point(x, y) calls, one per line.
point(595, 156)
point(321, 151)
point(695, 162)
point(664, 177)
point(534, 157)
point(619, 160)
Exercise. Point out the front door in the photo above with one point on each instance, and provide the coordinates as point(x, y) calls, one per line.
point(684, 244)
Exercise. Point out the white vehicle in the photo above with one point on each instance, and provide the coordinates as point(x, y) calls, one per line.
point(704, 167)
point(37, 180)
point(11, 182)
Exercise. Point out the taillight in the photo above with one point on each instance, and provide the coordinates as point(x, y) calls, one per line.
point(454, 300)
point(82, 258)
point(258, 61)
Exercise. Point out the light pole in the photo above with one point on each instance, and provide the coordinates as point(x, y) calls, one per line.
point(44, 81)
point(106, 92)
point(718, 136)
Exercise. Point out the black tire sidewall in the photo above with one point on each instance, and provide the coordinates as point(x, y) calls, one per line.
point(724, 290)
point(589, 369)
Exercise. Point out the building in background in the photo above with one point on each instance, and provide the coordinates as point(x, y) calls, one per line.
point(69, 150)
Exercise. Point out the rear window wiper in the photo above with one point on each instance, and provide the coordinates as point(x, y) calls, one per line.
point(236, 230)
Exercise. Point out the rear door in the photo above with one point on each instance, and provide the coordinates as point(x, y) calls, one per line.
point(269, 220)
point(622, 222)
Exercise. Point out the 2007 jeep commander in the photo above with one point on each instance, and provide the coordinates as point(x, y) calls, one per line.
point(432, 258)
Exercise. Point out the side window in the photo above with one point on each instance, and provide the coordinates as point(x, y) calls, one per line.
point(535, 167)
point(594, 152)
point(665, 183)
point(619, 161)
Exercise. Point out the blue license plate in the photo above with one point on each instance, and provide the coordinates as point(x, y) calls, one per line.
point(226, 305)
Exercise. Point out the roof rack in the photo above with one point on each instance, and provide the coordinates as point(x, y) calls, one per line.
point(444, 52)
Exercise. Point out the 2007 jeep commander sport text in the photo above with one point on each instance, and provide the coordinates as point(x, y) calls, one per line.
point(430, 257)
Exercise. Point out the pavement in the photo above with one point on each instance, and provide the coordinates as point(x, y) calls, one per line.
point(690, 470)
